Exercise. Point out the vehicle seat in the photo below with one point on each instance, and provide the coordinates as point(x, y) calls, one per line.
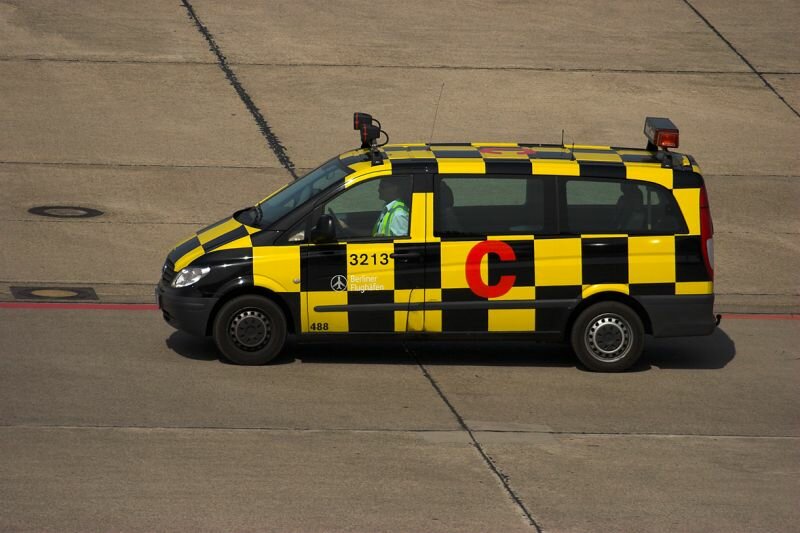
point(630, 216)
point(447, 217)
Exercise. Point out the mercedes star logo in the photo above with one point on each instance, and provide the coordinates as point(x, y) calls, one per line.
point(339, 283)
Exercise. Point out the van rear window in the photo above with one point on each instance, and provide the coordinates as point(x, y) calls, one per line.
point(614, 206)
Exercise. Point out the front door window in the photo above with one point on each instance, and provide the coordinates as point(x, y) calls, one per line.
point(379, 208)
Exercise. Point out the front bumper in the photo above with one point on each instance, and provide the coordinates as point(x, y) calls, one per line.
point(186, 313)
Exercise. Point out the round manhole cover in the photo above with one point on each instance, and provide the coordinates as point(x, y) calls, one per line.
point(64, 211)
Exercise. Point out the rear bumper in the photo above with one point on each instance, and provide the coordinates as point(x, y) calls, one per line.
point(680, 316)
point(189, 314)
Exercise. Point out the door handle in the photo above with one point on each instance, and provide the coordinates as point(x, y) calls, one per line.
point(405, 257)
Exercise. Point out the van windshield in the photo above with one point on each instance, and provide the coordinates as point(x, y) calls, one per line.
point(296, 193)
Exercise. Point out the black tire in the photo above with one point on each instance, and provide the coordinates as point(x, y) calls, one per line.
point(250, 330)
point(608, 337)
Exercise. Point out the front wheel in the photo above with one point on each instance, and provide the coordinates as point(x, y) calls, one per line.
point(250, 330)
point(608, 337)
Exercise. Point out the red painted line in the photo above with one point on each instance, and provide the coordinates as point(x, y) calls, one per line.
point(756, 316)
point(81, 307)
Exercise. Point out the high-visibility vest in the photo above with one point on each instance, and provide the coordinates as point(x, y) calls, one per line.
point(390, 215)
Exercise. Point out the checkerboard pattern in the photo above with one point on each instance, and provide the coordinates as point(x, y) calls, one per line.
point(420, 283)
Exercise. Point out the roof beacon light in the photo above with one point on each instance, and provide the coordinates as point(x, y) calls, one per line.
point(361, 118)
point(661, 133)
point(370, 131)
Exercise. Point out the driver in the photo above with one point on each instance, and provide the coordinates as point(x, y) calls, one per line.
point(393, 220)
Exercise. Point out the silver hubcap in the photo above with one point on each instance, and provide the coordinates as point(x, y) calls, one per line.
point(608, 338)
point(250, 329)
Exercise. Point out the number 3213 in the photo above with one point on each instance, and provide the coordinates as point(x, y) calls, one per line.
point(369, 259)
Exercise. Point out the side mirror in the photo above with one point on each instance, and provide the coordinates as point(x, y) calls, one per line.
point(324, 231)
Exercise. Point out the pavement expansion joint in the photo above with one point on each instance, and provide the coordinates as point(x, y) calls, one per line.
point(100, 61)
point(121, 222)
point(49, 281)
point(499, 474)
point(501, 68)
point(724, 232)
point(743, 58)
point(134, 165)
point(750, 176)
point(279, 429)
point(272, 139)
point(635, 434)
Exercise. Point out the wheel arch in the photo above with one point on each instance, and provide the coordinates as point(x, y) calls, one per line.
point(610, 296)
point(258, 291)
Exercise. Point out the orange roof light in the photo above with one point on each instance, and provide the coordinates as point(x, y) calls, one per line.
point(661, 133)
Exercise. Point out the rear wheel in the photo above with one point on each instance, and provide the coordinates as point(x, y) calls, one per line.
point(608, 337)
point(250, 330)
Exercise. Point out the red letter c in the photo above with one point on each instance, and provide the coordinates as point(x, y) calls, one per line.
point(473, 268)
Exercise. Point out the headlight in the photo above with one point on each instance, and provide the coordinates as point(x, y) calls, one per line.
point(189, 276)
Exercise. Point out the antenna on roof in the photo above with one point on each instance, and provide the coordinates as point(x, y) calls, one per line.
point(436, 114)
point(564, 146)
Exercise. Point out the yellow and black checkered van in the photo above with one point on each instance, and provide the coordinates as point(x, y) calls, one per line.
point(592, 244)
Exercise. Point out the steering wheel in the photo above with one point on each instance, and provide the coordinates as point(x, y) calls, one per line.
point(340, 227)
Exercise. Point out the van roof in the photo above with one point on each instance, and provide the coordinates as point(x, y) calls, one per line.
point(400, 154)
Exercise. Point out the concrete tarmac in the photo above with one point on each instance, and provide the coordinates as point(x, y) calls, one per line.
point(169, 116)
point(111, 421)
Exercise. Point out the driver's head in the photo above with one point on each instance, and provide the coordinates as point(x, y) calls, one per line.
point(394, 188)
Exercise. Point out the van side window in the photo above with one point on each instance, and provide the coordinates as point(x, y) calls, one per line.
point(613, 206)
point(488, 205)
point(376, 209)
